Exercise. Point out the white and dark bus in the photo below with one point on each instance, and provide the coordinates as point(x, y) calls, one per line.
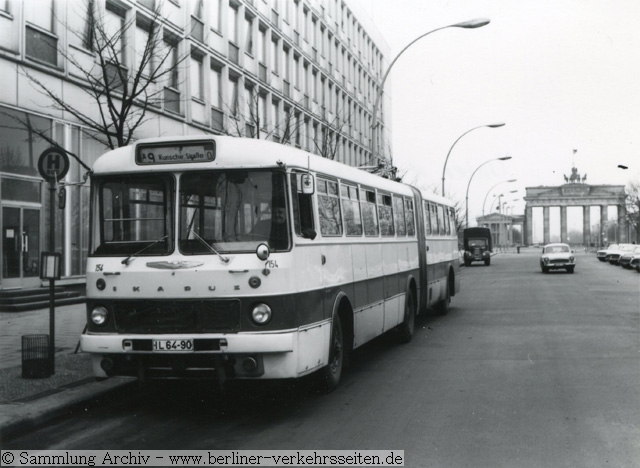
point(221, 257)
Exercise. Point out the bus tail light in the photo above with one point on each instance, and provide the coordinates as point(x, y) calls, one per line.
point(261, 314)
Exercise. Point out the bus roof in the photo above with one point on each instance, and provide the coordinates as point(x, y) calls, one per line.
point(248, 153)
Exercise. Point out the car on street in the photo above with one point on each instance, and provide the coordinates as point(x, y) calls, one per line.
point(613, 256)
point(557, 256)
point(626, 259)
point(602, 253)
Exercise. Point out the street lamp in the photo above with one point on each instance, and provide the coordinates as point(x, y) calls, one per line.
point(472, 24)
point(485, 197)
point(496, 125)
point(504, 158)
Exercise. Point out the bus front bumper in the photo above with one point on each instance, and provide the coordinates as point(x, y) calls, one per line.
point(285, 354)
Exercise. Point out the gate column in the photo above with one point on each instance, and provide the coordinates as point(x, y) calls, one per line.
point(622, 223)
point(563, 224)
point(546, 230)
point(528, 225)
point(586, 226)
point(603, 223)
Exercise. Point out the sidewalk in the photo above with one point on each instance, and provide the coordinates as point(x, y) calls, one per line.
point(26, 403)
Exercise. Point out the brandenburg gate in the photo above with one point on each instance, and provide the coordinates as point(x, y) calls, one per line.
point(575, 193)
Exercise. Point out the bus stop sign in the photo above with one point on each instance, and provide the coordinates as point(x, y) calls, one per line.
point(53, 164)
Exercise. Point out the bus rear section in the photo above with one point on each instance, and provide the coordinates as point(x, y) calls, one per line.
point(478, 245)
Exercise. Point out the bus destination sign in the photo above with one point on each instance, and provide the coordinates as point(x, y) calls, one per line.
point(176, 154)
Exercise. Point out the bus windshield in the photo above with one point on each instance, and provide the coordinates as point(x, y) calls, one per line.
point(232, 211)
point(135, 215)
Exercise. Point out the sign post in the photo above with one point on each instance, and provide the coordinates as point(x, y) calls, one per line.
point(53, 165)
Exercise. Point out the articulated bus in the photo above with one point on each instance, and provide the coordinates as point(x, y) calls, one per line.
point(220, 257)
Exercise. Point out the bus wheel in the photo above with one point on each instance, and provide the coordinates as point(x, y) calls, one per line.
point(443, 306)
point(331, 373)
point(406, 328)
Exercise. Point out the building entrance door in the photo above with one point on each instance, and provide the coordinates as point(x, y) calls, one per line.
point(20, 247)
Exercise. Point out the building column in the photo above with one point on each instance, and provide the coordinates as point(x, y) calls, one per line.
point(528, 226)
point(622, 223)
point(586, 226)
point(603, 224)
point(545, 223)
point(563, 224)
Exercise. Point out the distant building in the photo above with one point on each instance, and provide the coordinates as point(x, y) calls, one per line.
point(301, 72)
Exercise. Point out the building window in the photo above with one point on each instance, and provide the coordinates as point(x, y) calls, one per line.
point(171, 90)
point(88, 35)
point(233, 24)
point(41, 41)
point(248, 43)
point(275, 66)
point(214, 86)
point(296, 71)
point(114, 29)
point(233, 96)
point(286, 65)
point(262, 45)
point(262, 110)
point(214, 14)
point(196, 78)
point(197, 21)
point(144, 47)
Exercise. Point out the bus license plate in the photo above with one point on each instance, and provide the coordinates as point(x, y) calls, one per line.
point(176, 346)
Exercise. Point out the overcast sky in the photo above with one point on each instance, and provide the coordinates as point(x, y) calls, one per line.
point(563, 75)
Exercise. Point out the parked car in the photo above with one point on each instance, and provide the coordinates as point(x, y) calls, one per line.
point(602, 253)
point(625, 260)
point(613, 256)
point(635, 263)
point(557, 256)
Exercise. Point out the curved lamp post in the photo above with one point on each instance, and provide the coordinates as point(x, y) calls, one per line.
point(444, 168)
point(472, 24)
point(485, 197)
point(505, 158)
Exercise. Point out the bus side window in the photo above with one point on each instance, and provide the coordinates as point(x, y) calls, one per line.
point(434, 219)
point(302, 209)
point(399, 215)
point(427, 218)
point(329, 208)
point(369, 215)
point(385, 213)
point(452, 218)
point(411, 223)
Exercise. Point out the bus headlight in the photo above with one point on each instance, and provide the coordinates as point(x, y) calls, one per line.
point(99, 315)
point(261, 314)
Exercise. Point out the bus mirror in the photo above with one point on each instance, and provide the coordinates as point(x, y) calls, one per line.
point(263, 251)
point(307, 184)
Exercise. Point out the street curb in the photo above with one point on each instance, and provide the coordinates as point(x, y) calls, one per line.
point(21, 416)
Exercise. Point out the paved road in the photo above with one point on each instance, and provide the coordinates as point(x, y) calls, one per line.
point(528, 370)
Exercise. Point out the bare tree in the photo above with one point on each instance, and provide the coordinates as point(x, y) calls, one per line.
point(247, 120)
point(123, 95)
point(633, 208)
